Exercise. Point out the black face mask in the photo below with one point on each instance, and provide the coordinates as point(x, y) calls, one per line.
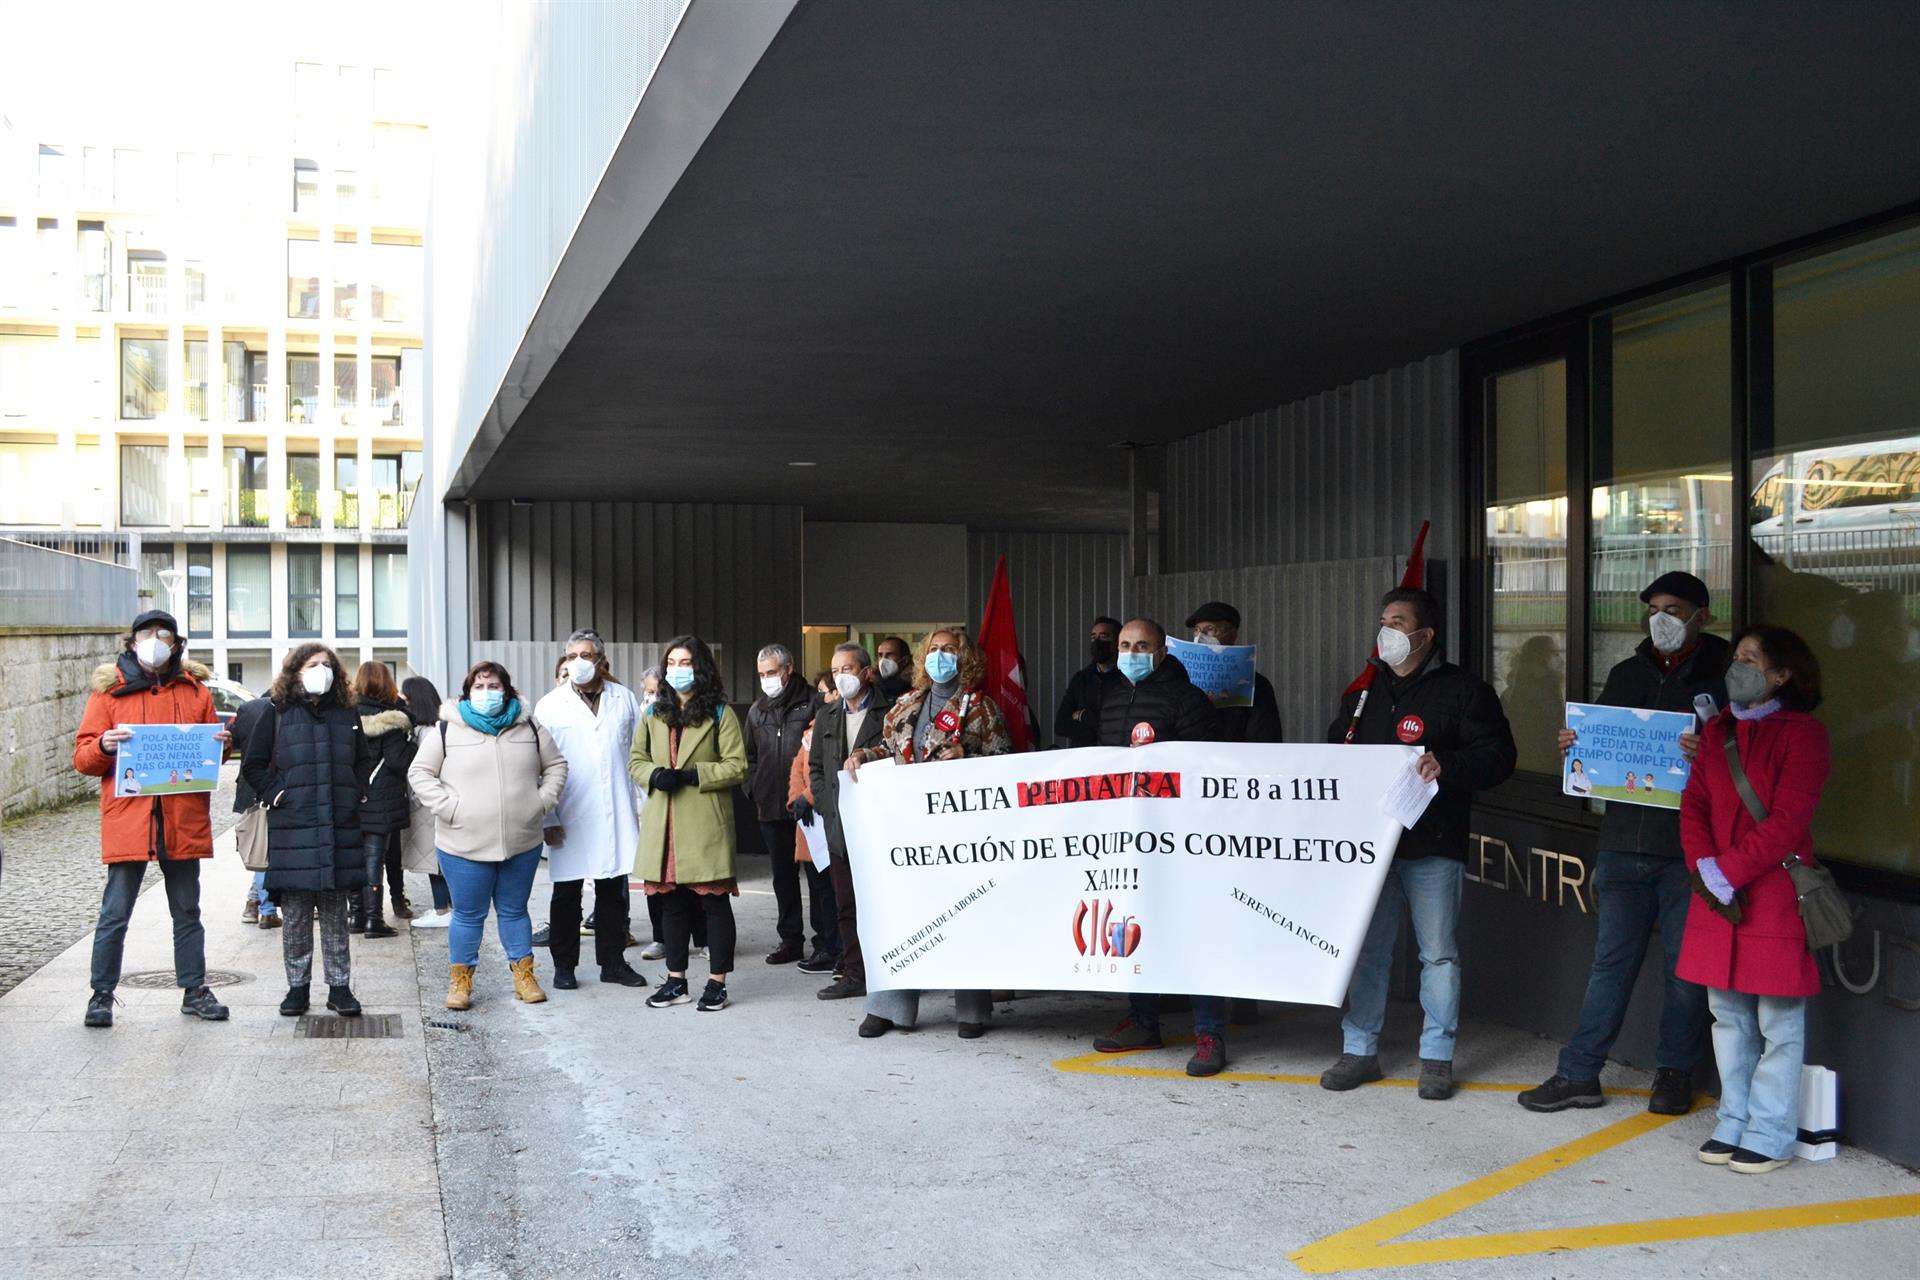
point(1104, 652)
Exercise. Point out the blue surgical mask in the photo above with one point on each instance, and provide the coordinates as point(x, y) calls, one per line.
point(488, 701)
point(680, 678)
point(941, 666)
point(1136, 666)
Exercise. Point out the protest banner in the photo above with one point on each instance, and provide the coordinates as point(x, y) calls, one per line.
point(1626, 755)
point(165, 759)
point(1223, 672)
point(1199, 868)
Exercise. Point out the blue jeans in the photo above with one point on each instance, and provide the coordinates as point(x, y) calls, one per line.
point(438, 883)
point(1631, 892)
point(182, 878)
point(1760, 1043)
point(1209, 1012)
point(506, 886)
point(260, 894)
point(1431, 887)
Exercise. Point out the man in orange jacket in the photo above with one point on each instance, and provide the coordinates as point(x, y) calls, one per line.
point(150, 683)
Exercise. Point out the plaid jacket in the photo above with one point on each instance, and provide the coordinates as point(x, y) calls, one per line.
point(982, 730)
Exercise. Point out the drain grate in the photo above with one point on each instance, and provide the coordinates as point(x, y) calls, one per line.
point(377, 1026)
point(446, 1024)
point(161, 979)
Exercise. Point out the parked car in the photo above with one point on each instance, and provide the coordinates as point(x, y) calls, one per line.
point(228, 698)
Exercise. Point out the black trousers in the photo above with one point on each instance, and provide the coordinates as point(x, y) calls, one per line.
point(657, 915)
point(678, 912)
point(852, 965)
point(396, 872)
point(779, 838)
point(610, 913)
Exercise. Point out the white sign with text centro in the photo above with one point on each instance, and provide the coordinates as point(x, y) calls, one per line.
point(1192, 868)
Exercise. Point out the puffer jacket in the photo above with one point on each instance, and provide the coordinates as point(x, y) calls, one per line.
point(488, 792)
point(383, 785)
point(304, 762)
point(136, 828)
point(1165, 707)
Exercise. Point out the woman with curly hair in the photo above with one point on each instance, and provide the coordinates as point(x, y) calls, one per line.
point(689, 753)
point(946, 716)
point(306, 764)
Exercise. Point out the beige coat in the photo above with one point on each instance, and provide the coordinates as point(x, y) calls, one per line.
point(488, 794)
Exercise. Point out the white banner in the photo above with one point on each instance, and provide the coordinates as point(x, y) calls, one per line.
point(1194, 868)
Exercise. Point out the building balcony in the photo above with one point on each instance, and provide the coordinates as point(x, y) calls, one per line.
point(346, 509)
point(391, 508)
point(303, 509)
point(147, 293)
point(249, 509)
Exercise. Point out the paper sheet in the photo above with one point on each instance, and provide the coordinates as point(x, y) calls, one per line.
point(1409, 795)
point(814, 832)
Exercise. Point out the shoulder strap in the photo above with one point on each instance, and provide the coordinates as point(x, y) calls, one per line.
point(442, 725)
point(1740, 782)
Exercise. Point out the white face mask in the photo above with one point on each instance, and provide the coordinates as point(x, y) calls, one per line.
point(582, 670)
point(1669, 633)
point(317, 680)
point(1395, 646)
point(153, 652)
point(888, 669)
point(772, 685)
point(847, 683)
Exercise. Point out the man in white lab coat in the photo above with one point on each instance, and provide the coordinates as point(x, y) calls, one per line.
point(594, 832)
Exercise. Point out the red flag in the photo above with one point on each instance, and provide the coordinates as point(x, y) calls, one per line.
point(1006, 679)
point(1415, 575)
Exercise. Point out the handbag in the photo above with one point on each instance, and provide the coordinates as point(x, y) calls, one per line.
point(250, 836)
point(1823, 908)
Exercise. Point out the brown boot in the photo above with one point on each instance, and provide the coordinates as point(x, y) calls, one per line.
point(525, 985)
point(460, 986)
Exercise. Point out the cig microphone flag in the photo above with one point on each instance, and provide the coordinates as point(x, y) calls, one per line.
point(1414, 576)
point(1006, 679)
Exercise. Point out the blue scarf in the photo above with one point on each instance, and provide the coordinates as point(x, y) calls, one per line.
point(492, 726)
point(1758, 711)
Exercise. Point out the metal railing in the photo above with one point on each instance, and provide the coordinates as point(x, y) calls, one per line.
point(391, 507)
point(249, 509)
point(346, 509)
point(41, 587)
point(147, 293)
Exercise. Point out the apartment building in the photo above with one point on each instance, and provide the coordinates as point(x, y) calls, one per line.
point(210, 358)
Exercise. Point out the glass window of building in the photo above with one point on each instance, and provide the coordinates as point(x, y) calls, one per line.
point(386, 406)
point(143, 377)
point(346, 390)
point(52, 173)
point(303, 278)
point(246, 382)
point(200, 486)
point(28, 378)
point(303, 591)
point(346, 489)
point(346, 591)
point(147, 282)
point(246, 488)
point(346, 277)
point(1527, 554)
point(346, 194)
point(153, 559)
point(303, 387)
point(54, 253)
point(1662, 469)
point(303, 491)
point(129, 177)
point(193, 287)
point(306, 185)
point(143, 484)
point(92, 377)
point(85, 484)
point(396, 276)
point(389, 591)
point(31, 482)
point(199, 590)
point(96, 176)
point(95, 267)
point(1834, 527)
point(196, 380)
point(249, 590)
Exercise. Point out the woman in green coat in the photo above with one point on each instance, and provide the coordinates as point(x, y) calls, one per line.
point(688, 754)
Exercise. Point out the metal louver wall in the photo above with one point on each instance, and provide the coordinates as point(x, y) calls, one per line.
point(1060, 582)
point(638, 572)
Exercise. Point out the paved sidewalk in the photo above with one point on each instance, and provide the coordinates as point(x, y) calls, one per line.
point(172, 1147)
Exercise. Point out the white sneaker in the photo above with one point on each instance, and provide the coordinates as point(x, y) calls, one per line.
point(431, 920)
point(654, 951)
point(697, 953)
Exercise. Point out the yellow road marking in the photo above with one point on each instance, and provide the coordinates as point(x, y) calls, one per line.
point(1375, 1244)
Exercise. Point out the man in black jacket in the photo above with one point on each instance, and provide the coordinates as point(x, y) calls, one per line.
point(260, 908)
point(1077, 723)
point(776, 722)
point(1218, 623)
point(1155, 702)
point(1419, 699)
point(1639, 877)
point(854, 720)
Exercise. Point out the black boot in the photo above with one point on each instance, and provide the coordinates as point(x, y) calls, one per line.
point(377, 927)
point(341, 1001)
point(298, 998)
point(100, 1009)
point(356, 913)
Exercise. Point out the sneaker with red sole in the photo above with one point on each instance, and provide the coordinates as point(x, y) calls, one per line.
point(1209, 1055)
point(1131, 1034)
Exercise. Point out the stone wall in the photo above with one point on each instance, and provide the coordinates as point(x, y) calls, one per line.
point(44, 673)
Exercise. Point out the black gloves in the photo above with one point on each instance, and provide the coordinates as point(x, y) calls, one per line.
point(690, 777)
point(665, 780)
point(802, 811)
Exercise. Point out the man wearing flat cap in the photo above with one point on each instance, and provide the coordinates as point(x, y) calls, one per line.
point(1640, 878)
point(151, 682)
point(1218, 623)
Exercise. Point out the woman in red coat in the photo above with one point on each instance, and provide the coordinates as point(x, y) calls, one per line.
point(1744, 940)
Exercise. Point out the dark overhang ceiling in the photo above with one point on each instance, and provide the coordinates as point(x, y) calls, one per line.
point(952, 252)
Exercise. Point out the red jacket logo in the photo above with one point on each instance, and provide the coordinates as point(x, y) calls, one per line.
point(1410, 728)
point(1142, 734)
